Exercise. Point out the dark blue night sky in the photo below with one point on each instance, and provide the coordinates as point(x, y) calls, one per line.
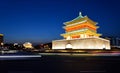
point(40, 21)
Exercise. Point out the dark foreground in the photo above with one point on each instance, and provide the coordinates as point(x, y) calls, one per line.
point(62, 64)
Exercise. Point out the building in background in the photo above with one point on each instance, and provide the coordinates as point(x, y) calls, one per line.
point(114, 41)
point(81, 33)
point(1, 39)
point(28, 45)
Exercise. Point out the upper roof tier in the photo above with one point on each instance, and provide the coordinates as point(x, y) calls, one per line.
point(80, 18)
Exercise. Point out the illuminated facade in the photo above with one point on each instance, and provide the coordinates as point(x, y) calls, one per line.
point(28, 45)
point(81, 33)
point(1, 39)
point(80, 27)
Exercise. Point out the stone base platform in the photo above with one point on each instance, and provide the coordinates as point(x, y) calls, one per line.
point(82, 43)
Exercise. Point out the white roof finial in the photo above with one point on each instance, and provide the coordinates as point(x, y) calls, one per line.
point(80, 14)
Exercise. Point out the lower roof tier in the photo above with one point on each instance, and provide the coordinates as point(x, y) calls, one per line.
point(88, 32)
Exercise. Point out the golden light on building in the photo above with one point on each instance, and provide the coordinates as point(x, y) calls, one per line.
point(28, 45)
point(81, 33)
point(80, 27)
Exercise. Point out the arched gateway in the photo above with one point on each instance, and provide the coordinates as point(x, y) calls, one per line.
point(68, 46)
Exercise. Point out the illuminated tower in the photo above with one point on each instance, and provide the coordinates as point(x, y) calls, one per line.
point(81, 33)
point(80, 27)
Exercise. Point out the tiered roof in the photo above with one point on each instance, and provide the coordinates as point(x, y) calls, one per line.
point(81, 19)
point(80, 25)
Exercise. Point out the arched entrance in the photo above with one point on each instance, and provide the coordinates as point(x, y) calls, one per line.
point(104, 48)
point(68, 46)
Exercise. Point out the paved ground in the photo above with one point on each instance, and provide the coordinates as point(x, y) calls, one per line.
point(62, 63)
